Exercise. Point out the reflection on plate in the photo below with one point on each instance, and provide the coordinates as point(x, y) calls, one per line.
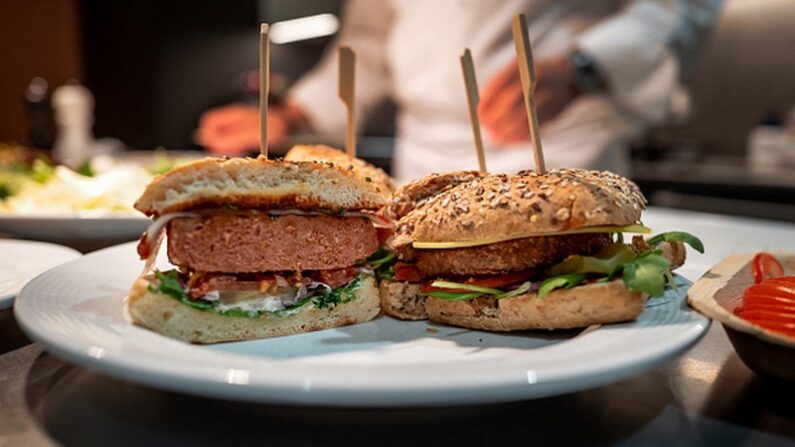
point(75, 230)
point(21, 261)
point(76, 311)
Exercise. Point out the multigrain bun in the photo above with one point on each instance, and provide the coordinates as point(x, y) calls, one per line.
point(412, 194)
point(259, 182)
point(581, 306)
point(336, 156)
point(169, 317)
point(578, 307)
point(402, 300)
point(526, 204)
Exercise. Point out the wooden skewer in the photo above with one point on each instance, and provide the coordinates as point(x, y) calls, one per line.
point(524, 57)
point(264, 86)
point(347, 84)
point(473, 98)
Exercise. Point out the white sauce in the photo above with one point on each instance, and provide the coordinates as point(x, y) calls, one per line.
point(266, 303)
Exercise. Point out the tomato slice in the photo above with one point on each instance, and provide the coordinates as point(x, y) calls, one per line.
point(786, 309)
point(770, 303)
point(768, 315)
point(383, 234)
point(768, 299)
point(498, 281)
point(772, 289)
point(492, 282)
point(766, 266)
point(407, 272)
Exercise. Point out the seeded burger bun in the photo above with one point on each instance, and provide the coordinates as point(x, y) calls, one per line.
point(502, 207)
point(500, 224)
point(411, 195)
point(262, 248)
point(259, 182)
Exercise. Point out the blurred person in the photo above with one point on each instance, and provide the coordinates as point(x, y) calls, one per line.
point(606, 70)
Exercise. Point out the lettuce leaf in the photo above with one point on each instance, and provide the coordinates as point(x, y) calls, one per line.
point(169, 284)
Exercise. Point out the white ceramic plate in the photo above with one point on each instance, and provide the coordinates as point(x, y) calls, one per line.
point(77, 312)
point(21, 261)
point(74, 229)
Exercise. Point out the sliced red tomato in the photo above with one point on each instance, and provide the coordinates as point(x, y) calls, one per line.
point(766, 266)
point(383, 234)
point(769, 315)
point(492, 282)
point(499, 281)
point(770, 303)
point(782, 280)
point(764, 306)
point(767, 288)
point(407, 272)
point(768, 299)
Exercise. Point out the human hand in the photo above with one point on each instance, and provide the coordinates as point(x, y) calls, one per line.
point(501, 108)
point(235, 129)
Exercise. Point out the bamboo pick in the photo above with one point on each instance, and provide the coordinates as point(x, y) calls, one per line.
point(473, 98)
point(524, 57)
point(347, 83)
point(264, 86)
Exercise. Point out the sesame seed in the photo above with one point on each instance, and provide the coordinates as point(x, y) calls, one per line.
point(563, 214)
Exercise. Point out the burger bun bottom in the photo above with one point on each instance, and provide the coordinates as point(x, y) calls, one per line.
point(171, 318)
point(581, 306)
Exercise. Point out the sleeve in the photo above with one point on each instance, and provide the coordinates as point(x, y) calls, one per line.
point(640, 51)
point(365, 28)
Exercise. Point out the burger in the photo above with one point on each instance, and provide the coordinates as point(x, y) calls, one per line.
point(259, 248)
point(526, 251)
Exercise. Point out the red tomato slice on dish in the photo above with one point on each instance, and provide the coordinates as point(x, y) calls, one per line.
point(769, 304)
point(764, 266)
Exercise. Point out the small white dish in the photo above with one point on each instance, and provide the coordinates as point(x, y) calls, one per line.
point(77, 312)
point(69, 229)
point(21, 261)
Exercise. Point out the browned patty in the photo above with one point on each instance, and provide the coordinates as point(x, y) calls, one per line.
point(252, 241)
point(519, 254)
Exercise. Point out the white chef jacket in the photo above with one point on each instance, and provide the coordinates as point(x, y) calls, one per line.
point(409, 50)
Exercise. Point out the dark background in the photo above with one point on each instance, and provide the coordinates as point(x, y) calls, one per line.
point(155, 66)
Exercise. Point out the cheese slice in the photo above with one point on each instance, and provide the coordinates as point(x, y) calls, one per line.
point(634, 228)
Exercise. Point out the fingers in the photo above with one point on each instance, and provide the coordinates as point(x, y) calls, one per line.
point(507, 76)
point(506, 122)
point(230, 130)
point(501, 108)
point(515, 131)
point(226, 115)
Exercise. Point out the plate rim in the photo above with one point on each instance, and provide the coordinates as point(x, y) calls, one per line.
point(7, 299)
